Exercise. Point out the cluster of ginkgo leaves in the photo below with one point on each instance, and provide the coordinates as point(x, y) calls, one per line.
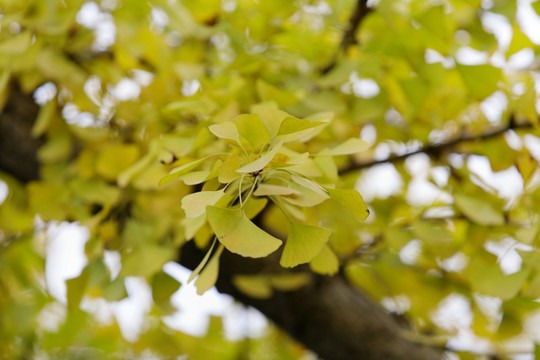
point(262, 167)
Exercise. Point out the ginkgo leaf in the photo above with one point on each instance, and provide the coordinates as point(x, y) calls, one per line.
point(253, 207)
point(202, 264)
point(227, 171)
point(270, 115)
point(255, 286)
point(195, 204)
point(478, 210)
point(303, 244)
point(226, 130)
point(181, 170)
point(209, 275)
point(239, 234)
point(311, 185)
point(326, 262)
point(269, 190)
point(304, 197)
point(351, 200)
point(349, 146)
point(252, 129)
point(191, 226)
point(261, 162)
point(195, 177)
point(292, 129)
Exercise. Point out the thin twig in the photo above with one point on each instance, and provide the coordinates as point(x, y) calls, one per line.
point(349, 35)
point(435, 149)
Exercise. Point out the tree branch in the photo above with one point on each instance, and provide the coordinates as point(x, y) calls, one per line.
point(329, 315)
point(18, 148)
point(435, 149)
point(349, 35)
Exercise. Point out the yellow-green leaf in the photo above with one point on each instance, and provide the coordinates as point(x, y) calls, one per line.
point(261, 162)
point(349, 146)
point(195, 204)
point(351, 200)
point(326, 262)
point(209, 275)
point(239, 234)
point(303, 244)
point(252, 129)
point(256, 286)
point(478, 210)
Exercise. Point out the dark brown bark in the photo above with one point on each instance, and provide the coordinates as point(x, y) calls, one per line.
point(329, 316)
point(17, 147)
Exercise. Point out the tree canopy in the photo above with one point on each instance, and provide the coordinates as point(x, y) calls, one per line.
point(349, 168)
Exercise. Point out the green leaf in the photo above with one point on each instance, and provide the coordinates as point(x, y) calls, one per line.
point(269, 190)
point(349, 146)
point(195, 177)
point(478, 210)
point(289, 281)
point(481, 80)
point(203, 262)
point(252, 129)
point(326, 262)
point(16, 44)
point(115, 290)
point(304, 197)
point(163, 286)
point(255, 286)
point(292, 129)
point(146, 259)
point(351, 200)
point(270, 116)
point(181, 170)
point(269, 92)
point(116, 158)
point(195, 204)
point(486, 277)
point(303, 244)
point(261, 162)
point(227, 172)
point(45, 116)
point(209, 275)
point(239, 234)
point(252, 207)
point(311, 185)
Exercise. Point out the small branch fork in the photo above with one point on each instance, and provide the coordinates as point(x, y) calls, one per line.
point(435, 149)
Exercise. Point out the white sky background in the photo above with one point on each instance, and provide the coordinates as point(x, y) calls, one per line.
point(65, 248)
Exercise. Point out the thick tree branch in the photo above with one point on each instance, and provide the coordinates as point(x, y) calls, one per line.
point(329, 316)
point(349, 35)
point(18, 148)
point(436, 149)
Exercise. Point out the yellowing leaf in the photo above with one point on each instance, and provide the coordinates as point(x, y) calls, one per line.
point(269, 92)
point(349, 146)
point(180, 170)
point(227, 172)
point(116, 158)
point(269, 190)
point(326, 262)
point(311, 185)
point(351, 200)
point(303, 244)
point(16, 44)
point(195, 204)
point(195, 177)
point(270, 116)
point(304, 197)
point(254, 206)
point(256, 286)
point(289, 281)
point(292, 129)
point(252, 129)
point(481, 80)
point(226, 130)
point(146, 259)
point(478, 210)
point(209, 275)
point(239, 234)
point(261, 162)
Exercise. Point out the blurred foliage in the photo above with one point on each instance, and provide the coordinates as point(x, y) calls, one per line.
point(201, 96)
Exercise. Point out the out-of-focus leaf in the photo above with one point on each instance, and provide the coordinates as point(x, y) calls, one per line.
point(478, 210)
point(351, 200)
point(209, 274)
point(326, 262)
point(303, 244)
point(349, 146)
